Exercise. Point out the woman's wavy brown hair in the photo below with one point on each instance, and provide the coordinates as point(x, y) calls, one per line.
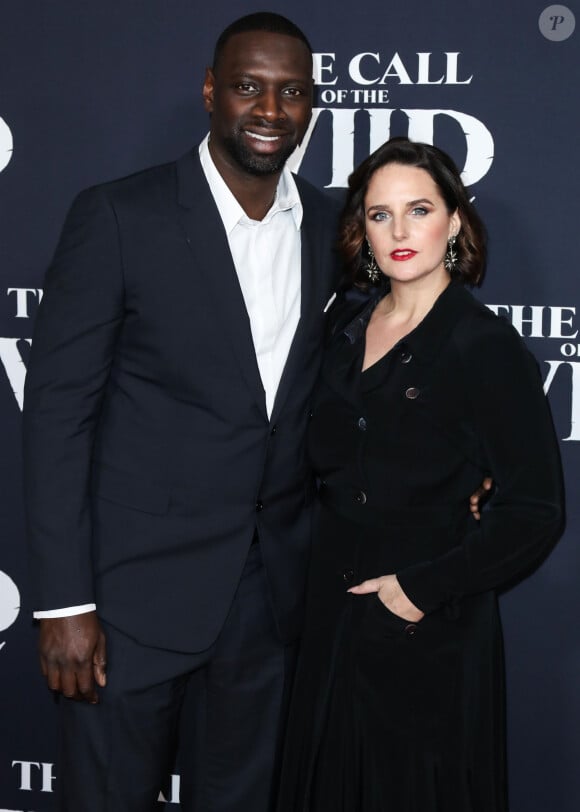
point(471, 240)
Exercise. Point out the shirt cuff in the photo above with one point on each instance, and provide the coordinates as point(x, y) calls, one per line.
point(68, 611)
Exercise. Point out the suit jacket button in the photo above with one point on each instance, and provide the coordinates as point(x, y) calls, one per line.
point(405, 357)
point(259, 506)
point(362, 424)
point(360, 497)
point(274, 429)
point(347, 576)
point(412, 393)
point(410, 629)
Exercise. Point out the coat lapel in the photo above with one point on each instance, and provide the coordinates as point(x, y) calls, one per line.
point(308, 313)
point(213, 260)
point(343, 358)
point(344, 355)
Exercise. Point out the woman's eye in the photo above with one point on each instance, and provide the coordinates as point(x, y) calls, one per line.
point(379, 216)
point(420, 210)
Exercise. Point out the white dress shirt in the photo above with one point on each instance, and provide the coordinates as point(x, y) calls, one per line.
point(267, 259)
point(266, 255)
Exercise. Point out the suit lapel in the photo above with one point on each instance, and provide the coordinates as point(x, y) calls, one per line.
point(309, 312)
point(213, 260)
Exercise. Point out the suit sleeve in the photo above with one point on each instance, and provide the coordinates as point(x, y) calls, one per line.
point(524, 517)
point(72, 352)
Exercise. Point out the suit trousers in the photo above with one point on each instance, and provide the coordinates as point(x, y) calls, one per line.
point(220, 711)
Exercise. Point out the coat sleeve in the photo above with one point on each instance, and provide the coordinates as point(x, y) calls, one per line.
point(524, 517)
point(72, 351)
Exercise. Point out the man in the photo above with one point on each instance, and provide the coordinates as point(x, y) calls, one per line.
point(166, 404)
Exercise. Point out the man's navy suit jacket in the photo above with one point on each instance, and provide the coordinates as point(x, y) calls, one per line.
point(149, 456)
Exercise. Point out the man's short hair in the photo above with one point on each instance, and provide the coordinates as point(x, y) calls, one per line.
point(260, 21)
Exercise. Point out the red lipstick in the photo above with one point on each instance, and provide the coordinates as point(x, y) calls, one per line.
point(402, 254)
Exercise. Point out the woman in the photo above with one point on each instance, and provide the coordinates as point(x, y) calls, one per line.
point(398, 701)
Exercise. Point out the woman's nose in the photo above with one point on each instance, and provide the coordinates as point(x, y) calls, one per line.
point(399, 227)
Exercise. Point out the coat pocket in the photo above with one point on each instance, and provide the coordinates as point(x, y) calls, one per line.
point(408, 672)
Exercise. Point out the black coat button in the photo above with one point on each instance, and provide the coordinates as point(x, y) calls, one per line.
point(360, 497)
point(274, 429)
point(410, 629)
point(362, 424)
point(412, 393)
point(405, 357)
point(347, 576)
point(259, 506)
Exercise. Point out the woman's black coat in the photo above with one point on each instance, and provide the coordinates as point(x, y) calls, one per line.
point(398, 450)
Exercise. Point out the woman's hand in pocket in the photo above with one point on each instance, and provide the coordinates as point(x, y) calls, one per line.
point(390, 593)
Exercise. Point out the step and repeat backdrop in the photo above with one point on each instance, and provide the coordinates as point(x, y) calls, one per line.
point(90, 91)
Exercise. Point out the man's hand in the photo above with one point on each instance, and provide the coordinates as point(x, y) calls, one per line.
point(73, 655)
point(480, 495)
point(391, 594)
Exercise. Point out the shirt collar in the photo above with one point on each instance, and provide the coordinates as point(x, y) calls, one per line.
point(287, 197)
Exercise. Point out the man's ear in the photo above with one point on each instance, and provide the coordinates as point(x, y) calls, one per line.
point(207, 91)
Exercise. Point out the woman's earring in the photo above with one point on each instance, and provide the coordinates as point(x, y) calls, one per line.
point(451, 258)
point(372, 270)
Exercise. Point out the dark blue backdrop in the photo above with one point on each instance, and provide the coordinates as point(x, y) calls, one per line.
point(91, 91)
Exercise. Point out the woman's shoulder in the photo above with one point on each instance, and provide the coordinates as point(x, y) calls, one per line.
point(482, 338)
point(477, 322)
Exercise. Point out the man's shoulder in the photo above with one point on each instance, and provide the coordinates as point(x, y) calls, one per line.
point(316, 200)
point(149, 184)
point(143, 182)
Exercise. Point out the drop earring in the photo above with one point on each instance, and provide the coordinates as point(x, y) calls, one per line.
point(451, 258)
point(372, 270)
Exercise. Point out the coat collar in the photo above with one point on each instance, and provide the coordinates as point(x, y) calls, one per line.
point(344, 357)
point(430, 334)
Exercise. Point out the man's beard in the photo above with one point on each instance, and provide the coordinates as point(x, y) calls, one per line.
point(255, 164)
